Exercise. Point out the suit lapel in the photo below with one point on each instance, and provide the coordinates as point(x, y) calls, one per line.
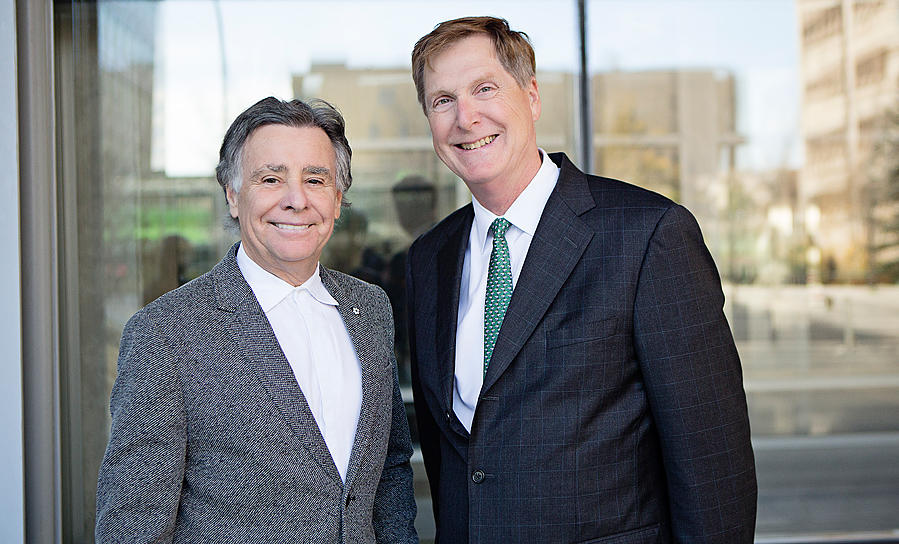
point(450, 259)
point(361, 327)
point(253, 335)
point(559, 242)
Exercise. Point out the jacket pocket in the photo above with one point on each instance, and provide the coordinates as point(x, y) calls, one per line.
point(581, 331)
point(643, 535)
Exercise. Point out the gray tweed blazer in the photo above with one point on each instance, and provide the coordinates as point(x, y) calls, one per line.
point(212, 439)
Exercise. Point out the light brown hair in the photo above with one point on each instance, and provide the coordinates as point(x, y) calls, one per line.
point(512, 48)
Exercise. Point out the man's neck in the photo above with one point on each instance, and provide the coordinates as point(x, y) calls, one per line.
point(498, 197)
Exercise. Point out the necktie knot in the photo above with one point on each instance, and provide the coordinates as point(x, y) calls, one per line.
point(499, 226)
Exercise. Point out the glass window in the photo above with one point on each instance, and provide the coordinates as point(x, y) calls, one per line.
point(774, 122)
point(741, 111)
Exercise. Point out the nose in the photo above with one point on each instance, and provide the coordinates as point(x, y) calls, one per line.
point(467, 114)
point(294, 195)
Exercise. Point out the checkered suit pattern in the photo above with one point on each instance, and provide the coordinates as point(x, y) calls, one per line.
point(212, 439)
point(613, 409)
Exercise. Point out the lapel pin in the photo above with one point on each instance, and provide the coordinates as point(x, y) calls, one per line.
point(356, 310)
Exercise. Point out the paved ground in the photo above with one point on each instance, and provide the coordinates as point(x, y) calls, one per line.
point(842, 483)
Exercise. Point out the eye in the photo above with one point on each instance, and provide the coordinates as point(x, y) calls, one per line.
point(441, 103)
point(486, 88)
point(315, 181)
point(269, 180)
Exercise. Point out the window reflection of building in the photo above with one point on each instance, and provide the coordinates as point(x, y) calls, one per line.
point(764, 236)
point(850, 71)
point(668, 130)
point(105, 78)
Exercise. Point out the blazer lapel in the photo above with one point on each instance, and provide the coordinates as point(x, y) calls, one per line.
point(559, 241)
point(260, 351)
point(450, 258)
point(361, 328)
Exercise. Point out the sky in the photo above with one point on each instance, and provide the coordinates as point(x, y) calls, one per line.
point(266, 42)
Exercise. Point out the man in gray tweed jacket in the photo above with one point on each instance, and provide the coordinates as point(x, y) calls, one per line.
point(260, 402)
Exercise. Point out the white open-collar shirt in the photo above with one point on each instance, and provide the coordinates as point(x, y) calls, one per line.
point(523, 214)
point(327, 368)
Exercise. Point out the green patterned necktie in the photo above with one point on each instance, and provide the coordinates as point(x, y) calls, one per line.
point(499, 287)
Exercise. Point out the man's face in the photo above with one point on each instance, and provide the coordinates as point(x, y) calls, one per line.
point(288, 201)
point(482, 121)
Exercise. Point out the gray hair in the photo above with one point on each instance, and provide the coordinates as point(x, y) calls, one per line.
point(295, 113)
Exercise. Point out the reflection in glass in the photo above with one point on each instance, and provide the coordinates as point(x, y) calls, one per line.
point(695, 106)
point(781, 146)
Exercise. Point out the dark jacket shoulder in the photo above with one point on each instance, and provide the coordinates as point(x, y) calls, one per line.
point(607, 192)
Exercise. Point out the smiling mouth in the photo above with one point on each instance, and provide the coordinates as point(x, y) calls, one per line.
point(287, 226)
point(480, 143)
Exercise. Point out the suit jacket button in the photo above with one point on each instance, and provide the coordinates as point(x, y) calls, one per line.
point(477, 476)
point(449, 416)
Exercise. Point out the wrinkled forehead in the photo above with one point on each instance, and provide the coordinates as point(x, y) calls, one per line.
point(464, 60)
point(281, 147)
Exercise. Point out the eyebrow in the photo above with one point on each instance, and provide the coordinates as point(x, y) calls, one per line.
point(317, 170)
point(279, 168)
point(268, 168)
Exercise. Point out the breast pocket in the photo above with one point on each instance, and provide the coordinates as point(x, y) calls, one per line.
point(580, 330)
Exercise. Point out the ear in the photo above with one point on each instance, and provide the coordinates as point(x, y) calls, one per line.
point(534, 98)
point(231, 196)
point(338, 206)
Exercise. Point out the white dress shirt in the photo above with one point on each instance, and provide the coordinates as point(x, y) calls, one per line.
point(523, 214)
point(327, 369)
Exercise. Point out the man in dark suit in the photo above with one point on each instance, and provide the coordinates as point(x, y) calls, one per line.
point(260, 402)
point(575, 379)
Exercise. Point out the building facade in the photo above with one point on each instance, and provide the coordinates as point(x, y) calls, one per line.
point(849, 69)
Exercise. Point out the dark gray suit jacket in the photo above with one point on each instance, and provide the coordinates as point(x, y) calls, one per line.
point(212, 439)
point(613, 409)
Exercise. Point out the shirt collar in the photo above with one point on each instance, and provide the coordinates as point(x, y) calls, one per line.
point(525, 211)
point(270, 290)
